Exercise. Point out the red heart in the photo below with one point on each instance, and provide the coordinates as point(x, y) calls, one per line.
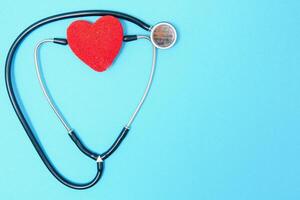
point(98, 44)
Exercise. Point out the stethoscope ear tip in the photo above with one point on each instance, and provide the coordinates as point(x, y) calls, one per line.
point(60, 41)
point(163, 35)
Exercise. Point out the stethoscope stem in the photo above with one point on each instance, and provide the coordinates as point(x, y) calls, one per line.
point(150, 81)
point(42, 84)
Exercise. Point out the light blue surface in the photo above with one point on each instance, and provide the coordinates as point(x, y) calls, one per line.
point(222, 121)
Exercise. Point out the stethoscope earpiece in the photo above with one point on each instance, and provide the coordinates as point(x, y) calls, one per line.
point(163, 35)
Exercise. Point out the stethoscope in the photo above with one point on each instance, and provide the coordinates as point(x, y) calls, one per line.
point(162, 36)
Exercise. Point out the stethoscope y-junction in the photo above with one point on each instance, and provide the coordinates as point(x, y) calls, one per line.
point(162, 35)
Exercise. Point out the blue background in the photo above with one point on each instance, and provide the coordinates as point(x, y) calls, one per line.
point(221, 121)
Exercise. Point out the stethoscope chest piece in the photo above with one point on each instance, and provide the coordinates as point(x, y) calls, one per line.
point(163, 35)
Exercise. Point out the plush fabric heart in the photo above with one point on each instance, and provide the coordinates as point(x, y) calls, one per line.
point(98, 44)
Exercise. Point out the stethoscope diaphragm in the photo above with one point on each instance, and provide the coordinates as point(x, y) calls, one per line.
point(163, 35)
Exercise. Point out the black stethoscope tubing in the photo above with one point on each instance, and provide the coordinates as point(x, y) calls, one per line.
point(16, 105)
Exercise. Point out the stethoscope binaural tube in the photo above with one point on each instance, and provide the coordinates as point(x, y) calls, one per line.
point(16, 105)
